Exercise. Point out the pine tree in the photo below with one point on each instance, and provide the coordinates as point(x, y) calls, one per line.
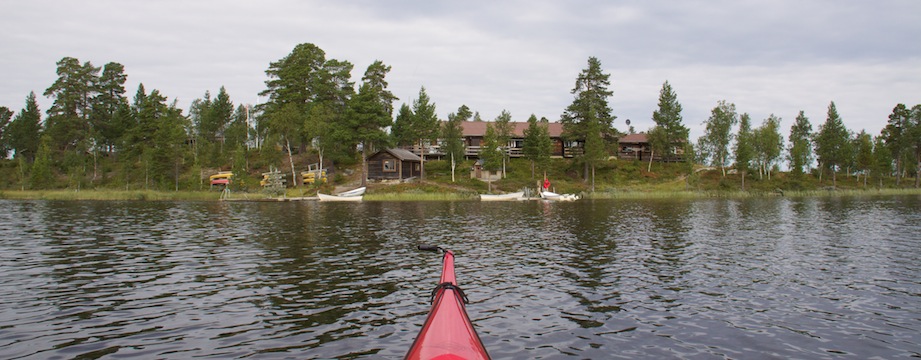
point(370, 111)
point(895, 136)
point(744, 149)
point(588, 118)
point(832, 143)
point(800, 151)
point(864, 154)
point(425, 125)
point(303, 79)
point(5, 115)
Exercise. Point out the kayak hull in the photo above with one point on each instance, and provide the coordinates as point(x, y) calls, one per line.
point(448, 332)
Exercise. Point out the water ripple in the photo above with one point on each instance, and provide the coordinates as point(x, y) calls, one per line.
point(766, 278)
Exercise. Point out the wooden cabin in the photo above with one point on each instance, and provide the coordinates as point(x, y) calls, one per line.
point(394, 164)
point(634, 147)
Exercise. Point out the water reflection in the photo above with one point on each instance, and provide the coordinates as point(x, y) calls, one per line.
point(783, 277)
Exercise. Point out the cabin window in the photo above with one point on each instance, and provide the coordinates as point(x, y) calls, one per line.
point(390, 165)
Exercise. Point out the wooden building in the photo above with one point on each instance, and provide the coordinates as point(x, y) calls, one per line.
point(634, 147)
point(393, 164)
point(473, 133)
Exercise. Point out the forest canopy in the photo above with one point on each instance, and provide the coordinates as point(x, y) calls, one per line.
point(94, 135)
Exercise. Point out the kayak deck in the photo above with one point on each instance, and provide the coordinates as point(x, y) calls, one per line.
point(448, 332)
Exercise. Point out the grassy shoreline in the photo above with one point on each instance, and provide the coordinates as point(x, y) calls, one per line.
point(110, 195)
point(152, 195)
point(746, 194)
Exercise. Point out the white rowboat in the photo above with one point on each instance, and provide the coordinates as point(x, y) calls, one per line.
point(324, 197)
point(546, 195)
point(351, 195)
point(356, 192)
point(503, 197)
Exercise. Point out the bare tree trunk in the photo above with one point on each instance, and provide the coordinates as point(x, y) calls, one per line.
point(651, 155)
point(422, 161)
point(364, 164)
point(95, 164)
point(291, 161)
point(504, 152)
point(593, 178)
point(453, 166)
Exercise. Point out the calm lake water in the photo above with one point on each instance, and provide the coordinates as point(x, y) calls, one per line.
point(694, 279)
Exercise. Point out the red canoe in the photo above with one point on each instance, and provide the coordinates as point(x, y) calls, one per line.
point(447, 332)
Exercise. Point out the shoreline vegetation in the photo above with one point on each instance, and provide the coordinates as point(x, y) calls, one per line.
point(94, 143)
point(615, 179)
point(383, 195)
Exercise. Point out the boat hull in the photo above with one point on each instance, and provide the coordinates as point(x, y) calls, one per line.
point(504, 197)
point(546, 195)
point(324, 197)
point(356, 192)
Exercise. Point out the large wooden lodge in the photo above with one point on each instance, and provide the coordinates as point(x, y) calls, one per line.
point(630, 147)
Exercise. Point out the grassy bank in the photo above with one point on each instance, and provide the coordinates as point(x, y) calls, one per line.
point(613, 180)
point(744, 194)
point(110, 195)
point(434, 193)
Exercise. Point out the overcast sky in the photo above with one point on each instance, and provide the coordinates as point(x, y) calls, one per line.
point(767, 57)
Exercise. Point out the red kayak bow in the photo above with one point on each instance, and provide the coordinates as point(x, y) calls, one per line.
point(447, 332)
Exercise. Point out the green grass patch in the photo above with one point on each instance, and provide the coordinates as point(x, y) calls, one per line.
point(110, 195)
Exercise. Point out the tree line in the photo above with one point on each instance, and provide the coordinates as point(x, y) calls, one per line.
point(93, 135)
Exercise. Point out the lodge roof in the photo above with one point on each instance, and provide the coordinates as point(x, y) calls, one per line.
point(478, 128)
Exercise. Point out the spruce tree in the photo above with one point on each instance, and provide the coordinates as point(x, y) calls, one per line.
point(800, 153)
point(668, 120)
point(832, 143)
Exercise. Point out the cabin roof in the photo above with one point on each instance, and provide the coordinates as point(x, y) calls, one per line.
point(401, 154)
point(478, 128)
point(640, 138)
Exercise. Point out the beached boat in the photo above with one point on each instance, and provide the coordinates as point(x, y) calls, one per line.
point(351, 195)
point(547, 195)
point(502, 197)
point(356, 192)
point(325, 197)
point(448, 332)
